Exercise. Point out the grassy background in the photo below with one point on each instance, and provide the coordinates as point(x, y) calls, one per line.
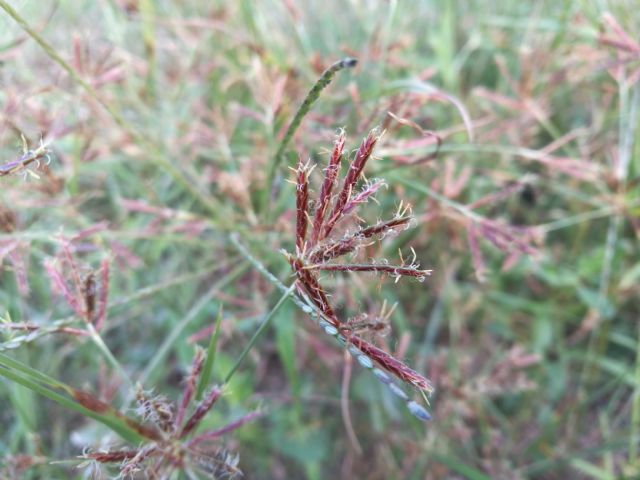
point(528, 326)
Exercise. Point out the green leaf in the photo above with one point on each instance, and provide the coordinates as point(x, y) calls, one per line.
point(25, 376)
point(207, 368)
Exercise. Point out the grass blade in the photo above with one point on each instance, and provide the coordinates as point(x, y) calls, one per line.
point(207, 368)
point(117, 425)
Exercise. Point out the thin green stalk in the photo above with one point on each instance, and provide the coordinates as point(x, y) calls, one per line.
point(628, 116)
point(148, 15)
point(467, 212)
point(207, 368)
point(152, 289)
point(304, 108)
point(305, 307)
point(99, 342)
point(582, 217)
point(259, 331)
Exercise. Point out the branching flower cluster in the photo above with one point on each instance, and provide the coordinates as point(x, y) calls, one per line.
point(320, 250)
point(172, 442)
point(26, 160)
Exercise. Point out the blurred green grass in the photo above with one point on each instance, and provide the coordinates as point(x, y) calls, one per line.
point(537, 368)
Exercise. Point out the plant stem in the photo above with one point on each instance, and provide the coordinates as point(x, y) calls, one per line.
point(304, 108)
point(259, 331)
point(207, 368)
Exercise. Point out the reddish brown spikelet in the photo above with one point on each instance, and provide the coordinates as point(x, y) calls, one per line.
point(89, 291)
point(134, 464)
point(27, 158)
point(302, 199)
point(216, 461)
point(355, 170)
point(312, 288)
point(104, 293)
point(201, 410)
point(94, 404)
point(337, 248)
point(112, 457)
point(393, 270)
point(71, 331)
point(213, 435)
point(147, 432)
point(330, 175)
point(363, 196)
point(29, 327)
point(190, 387)
point(75, 274)
point(382, 228)
point(91, 402)
point(390, 363)
point(157, 409)
point(368, 323)
point(20, 326)
point(61, 286)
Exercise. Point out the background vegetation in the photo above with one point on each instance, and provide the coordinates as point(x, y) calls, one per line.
point(528, 326)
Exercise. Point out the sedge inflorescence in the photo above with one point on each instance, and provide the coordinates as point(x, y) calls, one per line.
point(319, 249)
point(173, 440)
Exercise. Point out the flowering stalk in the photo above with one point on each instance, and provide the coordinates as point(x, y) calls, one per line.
point(308, 102)
point(321, 249)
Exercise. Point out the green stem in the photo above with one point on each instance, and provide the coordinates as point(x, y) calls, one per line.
point(99, 342)
point(259, 332)
point(207, 368)
point(308, 102)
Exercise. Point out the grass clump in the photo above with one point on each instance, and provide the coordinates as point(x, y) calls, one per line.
point(159, 135)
